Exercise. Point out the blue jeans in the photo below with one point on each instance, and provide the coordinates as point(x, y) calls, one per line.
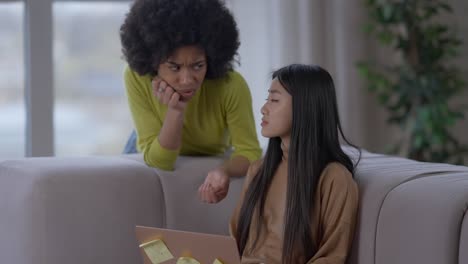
point(130, 147)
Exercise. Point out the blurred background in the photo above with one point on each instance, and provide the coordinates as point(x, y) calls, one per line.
point(61, 86)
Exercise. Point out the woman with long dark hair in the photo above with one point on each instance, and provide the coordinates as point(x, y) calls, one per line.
point(299, 203)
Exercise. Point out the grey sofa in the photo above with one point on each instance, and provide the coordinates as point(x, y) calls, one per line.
point(84, 209)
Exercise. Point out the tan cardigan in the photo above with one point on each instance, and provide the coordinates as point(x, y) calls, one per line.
point(333, 218)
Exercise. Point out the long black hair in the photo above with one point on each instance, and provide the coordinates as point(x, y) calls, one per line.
point(314, 143)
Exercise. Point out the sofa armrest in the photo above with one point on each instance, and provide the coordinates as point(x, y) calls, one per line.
point(421, 221)
point(398, 201)
point(76, 210)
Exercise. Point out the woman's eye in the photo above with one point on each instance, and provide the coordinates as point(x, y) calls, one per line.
point(174, 68)
point(271, 100)
point(198, 66)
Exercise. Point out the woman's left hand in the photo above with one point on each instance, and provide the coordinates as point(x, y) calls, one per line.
point(215, 187)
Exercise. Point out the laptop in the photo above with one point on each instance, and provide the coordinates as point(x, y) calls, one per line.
point(157, 245)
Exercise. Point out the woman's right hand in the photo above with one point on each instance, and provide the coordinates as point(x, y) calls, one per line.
point(167, 95)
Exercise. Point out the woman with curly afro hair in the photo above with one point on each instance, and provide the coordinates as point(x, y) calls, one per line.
point(184, 96)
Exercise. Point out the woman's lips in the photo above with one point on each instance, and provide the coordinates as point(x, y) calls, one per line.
point(187, 93)
point(264, 123)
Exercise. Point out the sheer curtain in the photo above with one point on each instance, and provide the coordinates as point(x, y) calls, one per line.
point(328, 33)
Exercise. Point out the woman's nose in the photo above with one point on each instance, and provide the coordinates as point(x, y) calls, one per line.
point(263, 110)
point(186, 77)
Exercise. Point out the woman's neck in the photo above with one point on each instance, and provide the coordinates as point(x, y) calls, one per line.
point(285, 148)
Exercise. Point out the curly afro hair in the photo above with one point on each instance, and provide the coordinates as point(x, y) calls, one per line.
point(153, 29)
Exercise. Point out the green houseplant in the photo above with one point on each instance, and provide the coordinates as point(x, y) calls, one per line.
point(417, 90)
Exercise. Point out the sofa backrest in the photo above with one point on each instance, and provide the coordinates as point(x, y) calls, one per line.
point(75, 210)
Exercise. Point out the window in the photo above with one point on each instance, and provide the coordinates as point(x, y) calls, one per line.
point(64, 57)
point(12, 108)
point(91, 114)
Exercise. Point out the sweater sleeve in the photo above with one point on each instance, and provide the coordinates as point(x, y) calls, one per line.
point(251, 172)
point(240, 119)
point(339, 205)
point(148, 122)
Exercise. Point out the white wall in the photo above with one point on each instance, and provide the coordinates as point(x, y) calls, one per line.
point(253, 21)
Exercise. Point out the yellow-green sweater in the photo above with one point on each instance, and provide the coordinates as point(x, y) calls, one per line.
point(217, 117)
